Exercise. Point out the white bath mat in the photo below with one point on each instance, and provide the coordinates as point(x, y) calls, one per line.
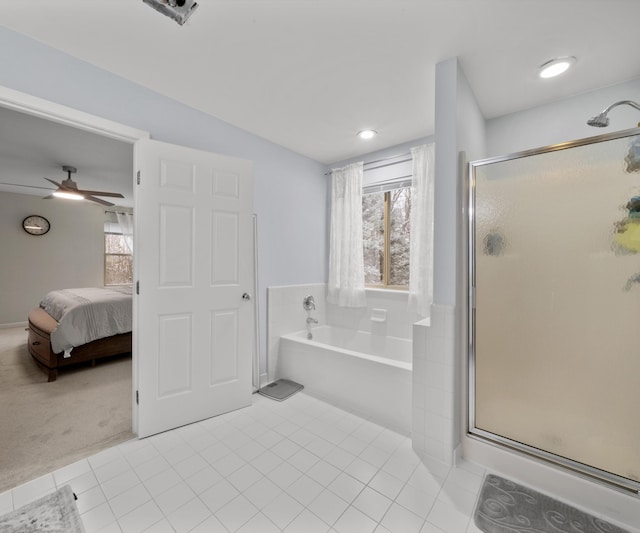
point(281, 389)
point(54, 513)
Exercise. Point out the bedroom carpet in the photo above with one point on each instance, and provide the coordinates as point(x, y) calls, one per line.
point(45, 426)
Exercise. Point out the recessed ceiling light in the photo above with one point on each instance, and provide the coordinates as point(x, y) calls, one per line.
point(367, 134)
point(555, 67)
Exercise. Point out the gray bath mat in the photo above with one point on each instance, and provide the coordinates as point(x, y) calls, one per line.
point(54, 513)
point(506, 507)
point(281, 389)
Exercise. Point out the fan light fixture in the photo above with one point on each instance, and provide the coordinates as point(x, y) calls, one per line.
point(69, 189)
point(178, 10)
point(367, 134)
point(68, 195)
point(555, 67)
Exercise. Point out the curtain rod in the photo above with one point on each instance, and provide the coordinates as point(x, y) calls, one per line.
point(407, 157)
point(118, 212)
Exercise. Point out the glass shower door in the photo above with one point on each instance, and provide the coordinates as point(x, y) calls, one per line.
point(555, 321)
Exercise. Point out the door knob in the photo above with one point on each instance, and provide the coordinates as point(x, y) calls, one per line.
point(246, 296)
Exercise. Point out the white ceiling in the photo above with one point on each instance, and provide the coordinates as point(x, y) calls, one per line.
point(32, 149)
point(309, 74)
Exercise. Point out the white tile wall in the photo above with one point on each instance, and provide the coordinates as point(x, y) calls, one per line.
point(434, 385)
point(398, 317)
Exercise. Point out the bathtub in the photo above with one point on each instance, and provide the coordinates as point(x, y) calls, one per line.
point(367, 374)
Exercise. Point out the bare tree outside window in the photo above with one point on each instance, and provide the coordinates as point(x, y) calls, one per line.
point(399, 232)
point(118, 264)
point(373, 238)
point(386, 229)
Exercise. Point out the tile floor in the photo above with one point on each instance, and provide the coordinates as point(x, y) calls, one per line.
point(295, 466)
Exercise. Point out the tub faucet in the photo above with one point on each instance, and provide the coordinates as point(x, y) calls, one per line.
point(311, 320)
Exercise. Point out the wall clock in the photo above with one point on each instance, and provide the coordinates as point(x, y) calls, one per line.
point(36, 225)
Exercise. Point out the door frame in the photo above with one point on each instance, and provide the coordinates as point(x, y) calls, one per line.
point(47, 110)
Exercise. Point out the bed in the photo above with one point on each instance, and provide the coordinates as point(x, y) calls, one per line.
point(76, 325)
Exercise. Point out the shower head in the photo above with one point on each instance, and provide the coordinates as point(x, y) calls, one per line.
point(599, 121)
point(602, 121)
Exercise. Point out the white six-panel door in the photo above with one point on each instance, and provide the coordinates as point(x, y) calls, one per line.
point(194, 263)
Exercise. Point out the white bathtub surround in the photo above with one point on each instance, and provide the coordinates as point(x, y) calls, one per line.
point(286, 314)
point(434, 385)
point(385, 320)
point(354, 370)
point(378, 315)
point(398, 318)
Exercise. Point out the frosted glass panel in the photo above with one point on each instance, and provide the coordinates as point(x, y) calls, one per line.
point(557, 312)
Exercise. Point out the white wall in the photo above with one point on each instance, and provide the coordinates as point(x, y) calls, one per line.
point(290, 190)
point(562, 121)
point(438, 348)
point(386, 172)
point(70, 255)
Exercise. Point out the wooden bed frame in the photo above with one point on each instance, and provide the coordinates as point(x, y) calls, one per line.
point(41, 324)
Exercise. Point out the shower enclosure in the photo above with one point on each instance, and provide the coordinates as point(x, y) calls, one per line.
point(554, 311)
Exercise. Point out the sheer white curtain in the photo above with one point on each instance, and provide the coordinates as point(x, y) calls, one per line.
point(421, 245)
point(346, 262)
point(125, 221)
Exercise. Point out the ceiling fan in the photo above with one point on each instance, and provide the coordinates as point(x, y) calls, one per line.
point(69, 189)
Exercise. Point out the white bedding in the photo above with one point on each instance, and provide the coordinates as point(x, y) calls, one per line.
point(87, 314)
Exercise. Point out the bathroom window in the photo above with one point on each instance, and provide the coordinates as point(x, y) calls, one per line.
point(118, 263)
point(386, 230)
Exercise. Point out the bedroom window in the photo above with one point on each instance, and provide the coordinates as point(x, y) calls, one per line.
point(386, 230)
point(118, 263)
point(118, 260)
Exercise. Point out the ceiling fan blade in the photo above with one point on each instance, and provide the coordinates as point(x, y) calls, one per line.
point(30, 186)
point(101, 193)
point(98, 200)
point(48, 197)
point(54, 182)
point(68, 185)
